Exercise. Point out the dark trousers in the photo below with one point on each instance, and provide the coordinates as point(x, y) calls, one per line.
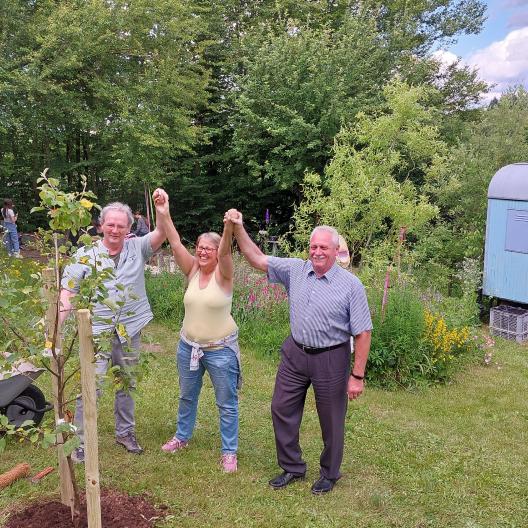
point(328, 372)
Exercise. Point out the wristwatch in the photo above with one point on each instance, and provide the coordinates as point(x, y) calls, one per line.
point(355, 376)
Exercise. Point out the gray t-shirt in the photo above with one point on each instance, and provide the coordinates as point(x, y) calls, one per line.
point(324, 311)
point(130, 273)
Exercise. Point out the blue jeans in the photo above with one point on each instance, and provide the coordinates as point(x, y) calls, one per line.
point(222, 366)
point(11, 238)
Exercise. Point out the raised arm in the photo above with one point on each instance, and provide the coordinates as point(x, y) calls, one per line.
point(184, 259)
point(249, 249)
point(225, 255)
point(161, 203)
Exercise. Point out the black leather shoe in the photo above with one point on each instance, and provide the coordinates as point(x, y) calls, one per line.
point(285, 478)
point(323, 485)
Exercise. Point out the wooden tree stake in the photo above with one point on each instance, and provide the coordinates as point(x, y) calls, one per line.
point(51, 293)
point(91, 457)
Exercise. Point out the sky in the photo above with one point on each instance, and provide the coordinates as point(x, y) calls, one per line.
point(500, 51)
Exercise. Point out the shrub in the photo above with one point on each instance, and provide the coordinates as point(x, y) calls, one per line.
point(396, 349)
point(444, 346)
point(411, 345)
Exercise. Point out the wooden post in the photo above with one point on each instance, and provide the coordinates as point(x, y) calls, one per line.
point(91, 450)
point(19, 471)
point(51, 292)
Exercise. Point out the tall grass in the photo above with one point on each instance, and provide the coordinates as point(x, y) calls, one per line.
point(414, 343)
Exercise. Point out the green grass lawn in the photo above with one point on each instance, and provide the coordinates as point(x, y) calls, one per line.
point(450, 456)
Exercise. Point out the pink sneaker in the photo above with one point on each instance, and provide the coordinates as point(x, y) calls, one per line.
point(174, 444)
point(229, 463)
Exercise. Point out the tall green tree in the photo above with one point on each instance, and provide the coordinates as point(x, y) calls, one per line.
point(369, 193)
point(106, 89)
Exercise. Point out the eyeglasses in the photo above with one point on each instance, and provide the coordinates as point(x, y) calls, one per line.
point(343, 254)
point(208, 250)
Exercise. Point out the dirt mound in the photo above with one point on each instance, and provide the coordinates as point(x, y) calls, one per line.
point(118, 510)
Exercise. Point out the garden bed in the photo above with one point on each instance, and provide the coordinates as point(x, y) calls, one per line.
point(118, 510)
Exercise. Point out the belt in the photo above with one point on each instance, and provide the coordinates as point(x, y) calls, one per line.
point(316, 350)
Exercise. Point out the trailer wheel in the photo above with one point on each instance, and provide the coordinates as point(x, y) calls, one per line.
point(31, 396)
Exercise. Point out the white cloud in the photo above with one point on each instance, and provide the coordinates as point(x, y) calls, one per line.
point(504, 60)
point(502, 64)
point(445, 57)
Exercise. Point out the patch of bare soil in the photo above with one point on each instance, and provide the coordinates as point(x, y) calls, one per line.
point(118, 510)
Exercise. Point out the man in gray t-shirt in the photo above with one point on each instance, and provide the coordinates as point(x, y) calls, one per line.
point(128, 257)
point(327, 305)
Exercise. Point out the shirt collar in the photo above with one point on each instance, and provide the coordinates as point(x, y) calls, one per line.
point(329, 275)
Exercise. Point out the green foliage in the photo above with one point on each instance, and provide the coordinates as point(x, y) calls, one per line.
point(412, 346)
point(298, 88)
point(500, 138)
point(28, 336)
point(368, 193)
point(239, 98)
point(396, 350)
point(113, 99)
point(67, 212)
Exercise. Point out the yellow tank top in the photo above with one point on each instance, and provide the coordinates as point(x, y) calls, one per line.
point(207, 311)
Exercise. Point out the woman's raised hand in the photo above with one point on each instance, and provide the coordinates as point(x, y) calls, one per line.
point(233, 216)
point(161, 200)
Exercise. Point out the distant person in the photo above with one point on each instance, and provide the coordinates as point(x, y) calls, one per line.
point(343, 259)
point(141, 228)
point(9, 218)
point(95, 230)
point(208, 338)
point(327, 305)
point(128, 258)
point(343, 255)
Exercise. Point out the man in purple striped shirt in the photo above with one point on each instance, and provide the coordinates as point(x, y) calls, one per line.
point(327, 305)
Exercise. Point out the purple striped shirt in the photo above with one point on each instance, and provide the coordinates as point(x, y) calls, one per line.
point(324, 311)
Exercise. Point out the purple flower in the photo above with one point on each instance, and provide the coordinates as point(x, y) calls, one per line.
point(267, 217)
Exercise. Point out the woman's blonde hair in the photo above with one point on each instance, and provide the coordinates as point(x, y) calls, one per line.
point(212, 236)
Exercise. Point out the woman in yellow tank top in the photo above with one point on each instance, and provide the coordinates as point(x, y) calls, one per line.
point(208, 339)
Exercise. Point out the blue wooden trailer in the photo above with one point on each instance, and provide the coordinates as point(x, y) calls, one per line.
point(506, 251)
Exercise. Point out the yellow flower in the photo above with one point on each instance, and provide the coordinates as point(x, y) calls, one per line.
point(86, 203)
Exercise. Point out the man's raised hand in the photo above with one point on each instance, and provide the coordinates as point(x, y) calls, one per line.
point(233, 216)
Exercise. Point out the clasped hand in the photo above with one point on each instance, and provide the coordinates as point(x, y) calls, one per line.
point(233, 216)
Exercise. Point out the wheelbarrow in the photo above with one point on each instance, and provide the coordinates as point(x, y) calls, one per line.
point(20, 400)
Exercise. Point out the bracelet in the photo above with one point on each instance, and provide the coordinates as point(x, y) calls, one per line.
point(355, 376)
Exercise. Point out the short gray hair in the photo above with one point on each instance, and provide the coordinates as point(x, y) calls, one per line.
point(117, 206)
point(328, 229)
